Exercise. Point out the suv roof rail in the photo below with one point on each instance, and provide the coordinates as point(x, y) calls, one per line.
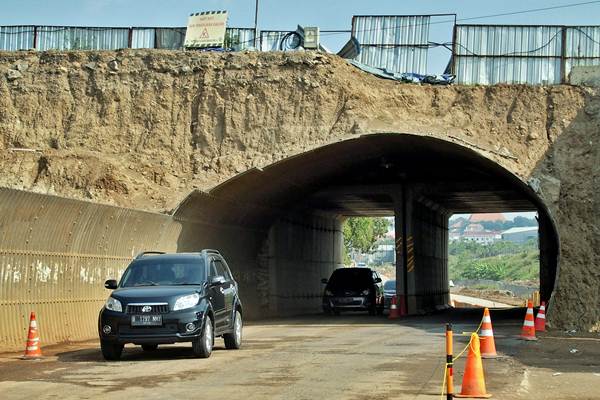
point(211, 251)
point(143, 253)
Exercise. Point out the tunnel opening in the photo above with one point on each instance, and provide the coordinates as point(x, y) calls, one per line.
point(494, 259)
point(281, 225)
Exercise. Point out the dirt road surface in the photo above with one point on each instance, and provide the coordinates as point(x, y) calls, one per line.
point(349, 357)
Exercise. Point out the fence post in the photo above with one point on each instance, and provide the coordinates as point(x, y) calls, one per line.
point(449, 364)
point(453, 57)
point(35, 37)
point(130, 37)
point(563, 55)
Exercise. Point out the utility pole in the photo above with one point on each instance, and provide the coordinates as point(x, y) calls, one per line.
point(256, 25)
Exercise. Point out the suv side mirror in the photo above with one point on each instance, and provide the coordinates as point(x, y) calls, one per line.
point(110, 284)
point(324, 281)
point(377, 280)
point(217, 280)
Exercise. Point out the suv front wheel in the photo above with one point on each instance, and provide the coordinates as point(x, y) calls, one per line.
point(111, 351)
point(203, 345)
point(233, 340)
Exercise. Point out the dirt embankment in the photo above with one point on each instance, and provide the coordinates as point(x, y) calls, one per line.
point(142, 128)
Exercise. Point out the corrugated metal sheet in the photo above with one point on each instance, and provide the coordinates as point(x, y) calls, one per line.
point(14, 38)
point(170, 38)
point(239, 38)
point(583, 41)
point(143, 38)
point(508, 54)
point(74, 38)
point(55, 254)
point(493, 70)
point(271, 40)
point(396, 43)
point(498, 40)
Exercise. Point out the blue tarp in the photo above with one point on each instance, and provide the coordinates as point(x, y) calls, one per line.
point(440, 79)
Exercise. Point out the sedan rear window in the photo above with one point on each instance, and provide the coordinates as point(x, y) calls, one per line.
point(164, 272)
point(350, 279)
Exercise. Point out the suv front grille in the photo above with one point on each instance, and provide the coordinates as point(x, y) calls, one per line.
point(162, 308)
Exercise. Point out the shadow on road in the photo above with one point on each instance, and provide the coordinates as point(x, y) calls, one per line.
point(132, 353)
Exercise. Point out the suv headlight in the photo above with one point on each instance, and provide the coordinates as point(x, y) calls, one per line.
point(366, 292)
point(113, 304)
point(188, 301)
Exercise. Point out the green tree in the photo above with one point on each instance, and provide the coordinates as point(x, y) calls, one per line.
point(361, 233)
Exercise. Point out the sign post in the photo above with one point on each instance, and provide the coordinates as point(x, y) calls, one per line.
point(206, 30)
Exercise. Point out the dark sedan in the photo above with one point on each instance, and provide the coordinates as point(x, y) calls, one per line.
point(353, 289)
point(389, 291)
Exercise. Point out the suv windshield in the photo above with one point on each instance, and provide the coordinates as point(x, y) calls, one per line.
point(389, 285)
point(350, 279)
point(164, 272)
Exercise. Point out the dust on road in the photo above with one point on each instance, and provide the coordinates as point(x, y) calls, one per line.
point(350, 357)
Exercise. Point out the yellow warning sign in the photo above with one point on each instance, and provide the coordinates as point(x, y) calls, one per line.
point(206, 29)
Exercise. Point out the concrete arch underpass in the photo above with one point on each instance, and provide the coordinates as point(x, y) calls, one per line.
point(280, 226)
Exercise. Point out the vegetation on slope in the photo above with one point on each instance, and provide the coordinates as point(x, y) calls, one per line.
point(499, 261)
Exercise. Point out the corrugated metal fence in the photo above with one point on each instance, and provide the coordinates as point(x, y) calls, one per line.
point(395, 43)
point(42, 38)
point(481, 54)
point(528, 54)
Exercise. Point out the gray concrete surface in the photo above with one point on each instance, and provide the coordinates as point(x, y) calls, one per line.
point(585, 75)
point(349, 357)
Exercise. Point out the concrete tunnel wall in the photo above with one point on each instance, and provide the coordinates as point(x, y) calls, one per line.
point(56, 253)
point(301, 250)
point(430, 233)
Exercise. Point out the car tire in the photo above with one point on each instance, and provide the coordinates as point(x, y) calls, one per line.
point(373, 310)
point(111, 351)
point(149, 347)
point(202, 346)
point(233, 340)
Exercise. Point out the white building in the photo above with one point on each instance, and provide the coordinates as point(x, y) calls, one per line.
point(520, 234)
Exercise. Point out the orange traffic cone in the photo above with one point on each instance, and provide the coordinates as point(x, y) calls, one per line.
point(473, 384)
point(540, 319)
point(394, 309)
point(528, 331)
point(32, 349)
point(488, 345)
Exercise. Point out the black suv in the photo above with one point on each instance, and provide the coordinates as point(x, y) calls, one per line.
point(167, 298)
point(353, 289)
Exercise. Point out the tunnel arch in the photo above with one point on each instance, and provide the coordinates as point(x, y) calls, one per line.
point(366, 175)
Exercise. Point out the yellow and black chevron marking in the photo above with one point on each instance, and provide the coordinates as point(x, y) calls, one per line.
point(410, 254)
point(399, 246)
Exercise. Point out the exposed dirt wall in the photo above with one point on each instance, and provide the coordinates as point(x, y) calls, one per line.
point(143, 128)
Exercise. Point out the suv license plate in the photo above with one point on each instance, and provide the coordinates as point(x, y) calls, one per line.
point(146, 320)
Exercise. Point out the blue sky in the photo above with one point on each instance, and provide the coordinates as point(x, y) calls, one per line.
point(285, 14)
point(277, 14)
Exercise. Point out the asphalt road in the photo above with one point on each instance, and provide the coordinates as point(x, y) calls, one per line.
point(348, 357)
